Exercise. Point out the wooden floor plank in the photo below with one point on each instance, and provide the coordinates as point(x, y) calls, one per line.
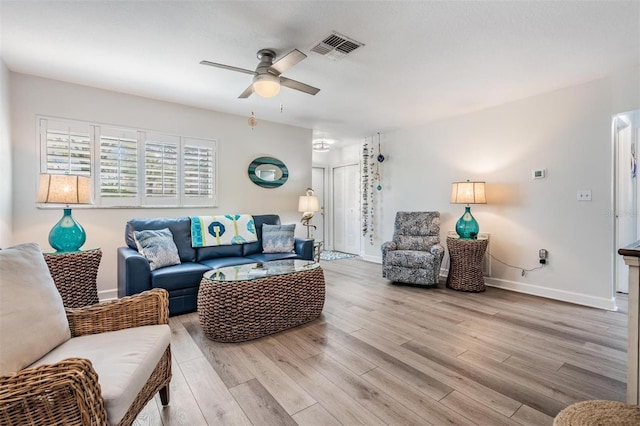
point(473, 410)
point(260, 406)
point(213, 397)
point(429, 409)
point(281, 387)
point(378, 402)
point(314, 416)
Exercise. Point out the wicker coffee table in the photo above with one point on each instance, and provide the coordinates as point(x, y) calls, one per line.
point(245, 302)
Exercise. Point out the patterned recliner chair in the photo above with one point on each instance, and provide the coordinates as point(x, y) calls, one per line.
point(415, 254)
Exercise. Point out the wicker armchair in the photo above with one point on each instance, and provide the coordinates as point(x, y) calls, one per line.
point(415, 254)
point(69, 391)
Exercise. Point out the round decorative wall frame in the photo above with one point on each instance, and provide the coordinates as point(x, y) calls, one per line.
point(268, 172)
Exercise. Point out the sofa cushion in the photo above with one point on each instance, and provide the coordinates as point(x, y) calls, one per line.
point(32, 317)
point(158, 247)
point(180, 228)
point(178, 276)
point(278, 238)
point(267, 257)
point(124, 361)
point(259, 220)
point(227, 261)
point(205, 253)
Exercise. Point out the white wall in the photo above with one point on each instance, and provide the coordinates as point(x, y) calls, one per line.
point(238, 145)
point(568, 132)
point(5, 158)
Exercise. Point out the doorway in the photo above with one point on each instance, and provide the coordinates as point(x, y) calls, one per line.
point(346, 208)
point(626, 132)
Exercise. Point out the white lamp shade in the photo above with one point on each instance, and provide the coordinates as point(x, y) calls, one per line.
point(308, 203)
point(64, 189)
point(266, 85)
point(468, 193)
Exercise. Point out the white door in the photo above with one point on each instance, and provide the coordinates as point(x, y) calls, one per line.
point(346, 209)
point(317, 183)
point(626, 128)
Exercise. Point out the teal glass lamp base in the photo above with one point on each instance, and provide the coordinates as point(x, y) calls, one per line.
point(67, 234)
point(467, 226)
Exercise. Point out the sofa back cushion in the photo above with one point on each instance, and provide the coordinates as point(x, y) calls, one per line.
point(180, 227)
point(259, 220)
point(206, 253)
point(32, 316)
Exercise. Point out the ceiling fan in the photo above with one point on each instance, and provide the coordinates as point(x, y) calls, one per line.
point(267, 77)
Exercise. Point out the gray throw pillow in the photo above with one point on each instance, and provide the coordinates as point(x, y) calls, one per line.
point(158, 247)
point(278, 238)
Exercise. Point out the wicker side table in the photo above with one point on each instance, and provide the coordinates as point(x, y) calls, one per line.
point(75, 274)
point(465, 269)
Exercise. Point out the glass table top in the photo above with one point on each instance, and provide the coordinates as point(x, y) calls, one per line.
point(253, 271)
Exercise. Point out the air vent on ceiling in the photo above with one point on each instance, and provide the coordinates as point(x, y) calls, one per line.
point(336, 46)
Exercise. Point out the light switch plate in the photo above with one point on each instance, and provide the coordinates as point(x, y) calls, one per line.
point(584, 195)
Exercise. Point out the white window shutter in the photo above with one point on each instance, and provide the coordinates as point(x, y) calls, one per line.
point(199, 163)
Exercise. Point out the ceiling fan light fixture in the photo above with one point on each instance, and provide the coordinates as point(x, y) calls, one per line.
point(266, 85)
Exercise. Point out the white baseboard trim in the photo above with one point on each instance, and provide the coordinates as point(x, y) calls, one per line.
point(105, 295)
point(372, 259)
point(551, 293)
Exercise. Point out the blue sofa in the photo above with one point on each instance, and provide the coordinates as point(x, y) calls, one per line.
point(182, 281)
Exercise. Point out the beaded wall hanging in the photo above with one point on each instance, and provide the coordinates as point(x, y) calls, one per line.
point(371, 183)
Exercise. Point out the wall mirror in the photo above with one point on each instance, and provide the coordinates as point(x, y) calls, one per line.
point(268, 172)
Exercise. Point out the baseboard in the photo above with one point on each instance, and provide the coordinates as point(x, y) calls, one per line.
point(372, 259)
point(105, 295)
point(551, 293)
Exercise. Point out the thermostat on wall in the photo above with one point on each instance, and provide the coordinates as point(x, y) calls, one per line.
point(539, 173)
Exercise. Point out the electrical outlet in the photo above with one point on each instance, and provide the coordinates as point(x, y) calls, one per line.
point(543, 254)
point(584, 195)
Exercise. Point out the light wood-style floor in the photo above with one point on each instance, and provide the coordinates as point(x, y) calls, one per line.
point(398, 355)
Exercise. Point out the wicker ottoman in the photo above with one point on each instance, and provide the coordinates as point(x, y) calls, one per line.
point(234, 307)
point(596, 413)
point(465, 269)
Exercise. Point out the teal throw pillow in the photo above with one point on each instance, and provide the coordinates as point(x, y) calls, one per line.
point(278, 238)
point(158, 247)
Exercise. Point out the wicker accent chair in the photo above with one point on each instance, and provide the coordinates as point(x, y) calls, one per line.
point(415, 254)
point(112, 359)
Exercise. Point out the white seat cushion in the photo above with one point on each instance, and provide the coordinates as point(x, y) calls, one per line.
point(124, 361)
point(32, 317)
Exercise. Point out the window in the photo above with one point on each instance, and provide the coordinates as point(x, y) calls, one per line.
point(130, 167)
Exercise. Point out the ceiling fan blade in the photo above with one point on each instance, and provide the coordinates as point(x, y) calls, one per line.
point(247, 92)
point(227, 67)
point(287, 61)
point(292, 84)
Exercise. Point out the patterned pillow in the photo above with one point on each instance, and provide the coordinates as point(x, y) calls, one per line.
point(278, 238)
point(158, 247)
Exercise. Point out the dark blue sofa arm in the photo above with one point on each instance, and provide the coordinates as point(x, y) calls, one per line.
point(134, 273)
point(304, 248)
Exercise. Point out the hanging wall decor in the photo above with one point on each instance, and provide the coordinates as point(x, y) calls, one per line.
point(380, 159)
point(365, 188)
point(252, 121)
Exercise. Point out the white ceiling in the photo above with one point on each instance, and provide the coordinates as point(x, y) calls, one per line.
point(422, 60)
